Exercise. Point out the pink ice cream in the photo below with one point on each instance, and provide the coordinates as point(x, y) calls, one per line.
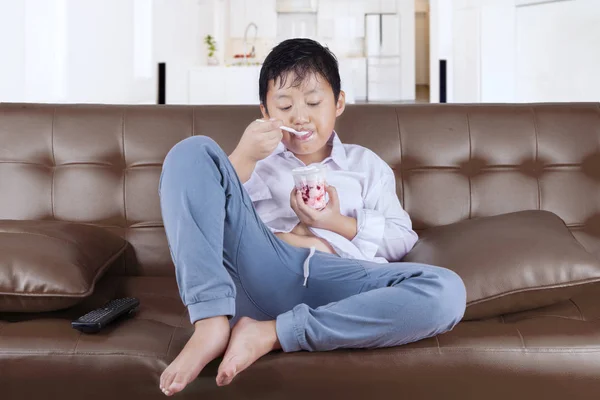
point(313, 194)
point(310, 181)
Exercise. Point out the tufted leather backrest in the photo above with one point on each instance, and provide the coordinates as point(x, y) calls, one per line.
point(101, 164)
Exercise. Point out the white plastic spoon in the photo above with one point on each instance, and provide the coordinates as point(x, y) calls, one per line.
point(288, 129)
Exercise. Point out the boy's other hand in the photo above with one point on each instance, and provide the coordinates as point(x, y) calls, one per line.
point(325, 218)
point(329, 218)
point(259, 140)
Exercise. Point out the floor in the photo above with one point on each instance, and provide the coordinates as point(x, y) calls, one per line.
point(422, 94)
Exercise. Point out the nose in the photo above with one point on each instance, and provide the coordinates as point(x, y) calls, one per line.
point(300, 116)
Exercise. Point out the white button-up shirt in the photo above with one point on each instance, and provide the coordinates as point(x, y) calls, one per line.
point(367, 192)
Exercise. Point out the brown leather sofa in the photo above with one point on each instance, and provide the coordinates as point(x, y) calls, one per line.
point(100, 165)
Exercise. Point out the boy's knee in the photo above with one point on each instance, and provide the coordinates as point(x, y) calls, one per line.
point(452, 298)
point(192, 147)
point(189, 149)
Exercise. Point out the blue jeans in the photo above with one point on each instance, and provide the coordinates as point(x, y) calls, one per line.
point(227, 262)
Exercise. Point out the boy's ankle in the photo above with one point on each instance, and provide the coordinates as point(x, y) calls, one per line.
point(218, 322)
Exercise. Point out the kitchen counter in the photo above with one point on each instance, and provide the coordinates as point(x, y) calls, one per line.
point(239, 84)
point(224, 85)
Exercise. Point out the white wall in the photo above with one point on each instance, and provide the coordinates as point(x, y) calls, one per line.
point(558, 52)
point(406, 11)
point(45, 50)
point(92, 51)
point(179, 41)
point(99, 55)
point(498, 55)
point(32, 50)
point(12, 51)
point(466, 53)
point(536, 53)
point(106, 51)
point(68, 51)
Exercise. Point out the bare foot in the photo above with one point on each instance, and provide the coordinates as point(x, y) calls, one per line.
point(250, 340)
point(208, 342)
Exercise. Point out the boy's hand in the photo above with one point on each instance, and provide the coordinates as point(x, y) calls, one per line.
point(259, 140)
point(328, 218)
point(307, 215)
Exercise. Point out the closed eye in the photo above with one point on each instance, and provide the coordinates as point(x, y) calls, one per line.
point(314, 104)
point(285, 108)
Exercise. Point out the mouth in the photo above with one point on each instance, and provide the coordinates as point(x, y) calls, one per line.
point(306, 137)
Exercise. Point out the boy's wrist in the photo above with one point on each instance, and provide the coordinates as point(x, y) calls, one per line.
point(244, 166)
point(342, 225)
point(240, 157)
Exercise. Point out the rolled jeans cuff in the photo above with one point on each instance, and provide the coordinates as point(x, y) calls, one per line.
point(212, 308)
point(288, 333)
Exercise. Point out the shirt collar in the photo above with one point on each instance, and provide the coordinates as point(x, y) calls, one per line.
point(338, 152)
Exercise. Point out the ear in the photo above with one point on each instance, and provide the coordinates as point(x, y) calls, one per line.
point(341, 104)
point(264, 111)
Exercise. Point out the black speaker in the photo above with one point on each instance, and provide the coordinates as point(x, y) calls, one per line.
point(162, 83)
point(443, 81)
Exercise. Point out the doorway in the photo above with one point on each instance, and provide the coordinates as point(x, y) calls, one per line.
point(422, 66)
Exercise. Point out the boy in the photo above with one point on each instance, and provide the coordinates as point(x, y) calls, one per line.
point(243, 241)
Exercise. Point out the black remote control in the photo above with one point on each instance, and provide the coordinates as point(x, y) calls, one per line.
point(97, 319)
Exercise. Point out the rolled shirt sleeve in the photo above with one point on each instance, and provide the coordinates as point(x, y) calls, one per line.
point(384, 228)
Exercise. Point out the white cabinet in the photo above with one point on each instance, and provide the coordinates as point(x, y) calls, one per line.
point(358, 12)
point(325, 27)
point(384, 79)
point(382, 35)
point(373, 6)
point(341, 18)
point(292, 25)
point(224, 85)
point(359, 78)
point(380, 6)
point(387, 6)
point(353, 73)
point(325, 18)
point(297, 6)
point(244, 12)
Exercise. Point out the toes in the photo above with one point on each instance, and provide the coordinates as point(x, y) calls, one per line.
point(165, 391)
point(227, 371)
point(225, 378)
point(172, 383)
point(176, 387)
point(166, 379)
point(177, 384)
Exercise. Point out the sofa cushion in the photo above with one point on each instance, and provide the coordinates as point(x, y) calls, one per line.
point(50, 265)
point(549, 353)
point(510, 262)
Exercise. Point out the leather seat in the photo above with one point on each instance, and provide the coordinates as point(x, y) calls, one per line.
point(101, 165)
point(125, 360)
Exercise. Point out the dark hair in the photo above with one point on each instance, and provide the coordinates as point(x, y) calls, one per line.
point(302, 57)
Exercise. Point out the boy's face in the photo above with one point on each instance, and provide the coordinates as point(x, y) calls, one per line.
point(309, 106)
